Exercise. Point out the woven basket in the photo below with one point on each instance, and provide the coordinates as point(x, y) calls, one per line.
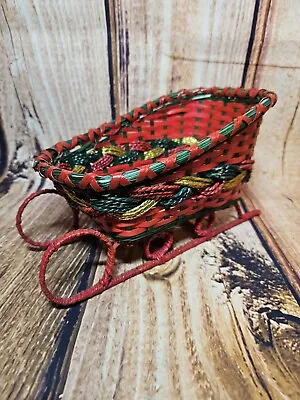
point(176, 158)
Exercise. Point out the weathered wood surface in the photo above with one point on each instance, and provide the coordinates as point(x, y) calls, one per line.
point(54, 82)
point(275, 187)
point(224, 324)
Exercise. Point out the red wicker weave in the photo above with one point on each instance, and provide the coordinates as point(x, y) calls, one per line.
point(174, 159)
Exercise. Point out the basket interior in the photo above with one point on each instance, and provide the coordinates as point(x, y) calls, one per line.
point(165, 130)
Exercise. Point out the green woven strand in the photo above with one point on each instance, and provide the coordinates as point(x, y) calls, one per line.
point(182, 194)
point(182, 156)
point(204, 144)
point(114, 204)
point(132, 175)
point(157, 167)
point(127, 158)
point(223, 172)
point(165, 143)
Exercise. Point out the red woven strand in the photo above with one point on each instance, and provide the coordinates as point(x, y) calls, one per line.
point(209, 191)
point(155, 191)
point(140, 146)
point(102, 162)
point(247, 164)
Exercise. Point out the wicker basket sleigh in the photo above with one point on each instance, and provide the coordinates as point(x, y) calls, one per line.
point(179, 158)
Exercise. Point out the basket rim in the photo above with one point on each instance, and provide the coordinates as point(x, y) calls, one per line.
point(93, 181)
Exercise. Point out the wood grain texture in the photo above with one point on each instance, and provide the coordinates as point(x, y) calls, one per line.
point(178, 44)
point(218, 322)
point(261, 51)
point(275, 64)
point(54, 84)
point(187, 336)
point(30, 325)
point(224, 325)
point(50, 87)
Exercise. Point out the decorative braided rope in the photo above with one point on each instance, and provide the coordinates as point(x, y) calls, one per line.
point(177, 158)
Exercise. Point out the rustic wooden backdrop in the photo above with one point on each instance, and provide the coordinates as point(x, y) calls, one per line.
point(225, 323)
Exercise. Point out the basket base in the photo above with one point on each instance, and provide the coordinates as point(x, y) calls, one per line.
point(155, 257)
point(206, 235)
point(162, 256)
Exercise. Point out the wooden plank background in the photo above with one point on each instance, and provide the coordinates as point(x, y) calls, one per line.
point(225, 324)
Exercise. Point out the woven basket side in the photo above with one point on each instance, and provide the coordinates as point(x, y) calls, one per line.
point(150, 171)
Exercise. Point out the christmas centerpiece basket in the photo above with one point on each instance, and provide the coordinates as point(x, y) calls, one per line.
point(179, 158)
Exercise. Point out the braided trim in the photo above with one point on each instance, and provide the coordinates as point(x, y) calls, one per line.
point(143, 199)
point(193, 182)
point(209, 191)
point(137, 211)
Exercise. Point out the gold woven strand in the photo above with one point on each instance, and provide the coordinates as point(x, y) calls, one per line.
point(137, 211)
point(113, 151)
point(153, 153)
point(235, 181)
point(194, 182)
point(189, 140)
point(92, 151)
point(78, 169)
